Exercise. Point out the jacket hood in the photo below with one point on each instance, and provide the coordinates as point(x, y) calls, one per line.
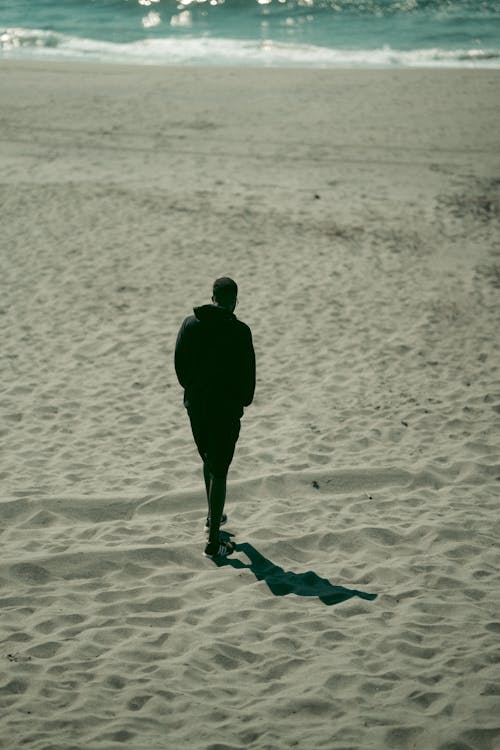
point(213, 315)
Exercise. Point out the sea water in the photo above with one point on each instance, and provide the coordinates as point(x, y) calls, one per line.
point(306, 33)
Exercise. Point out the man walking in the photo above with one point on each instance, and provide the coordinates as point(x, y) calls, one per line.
point(215, 364)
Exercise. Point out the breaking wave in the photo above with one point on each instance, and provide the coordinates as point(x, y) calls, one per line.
point(18, 43)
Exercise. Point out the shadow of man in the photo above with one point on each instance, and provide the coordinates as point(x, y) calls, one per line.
point(282, 582)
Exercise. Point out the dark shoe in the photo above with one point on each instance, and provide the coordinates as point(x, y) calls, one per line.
point(223, 520)
point(222, 549)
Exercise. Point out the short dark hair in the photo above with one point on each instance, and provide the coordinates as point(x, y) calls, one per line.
point(225, 290)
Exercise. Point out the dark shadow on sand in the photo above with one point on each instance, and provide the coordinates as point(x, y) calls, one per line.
point(282, 582)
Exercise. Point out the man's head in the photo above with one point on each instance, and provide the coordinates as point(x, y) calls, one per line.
point(225, 293)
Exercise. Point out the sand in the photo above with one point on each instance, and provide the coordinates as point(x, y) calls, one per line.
point(359, 212)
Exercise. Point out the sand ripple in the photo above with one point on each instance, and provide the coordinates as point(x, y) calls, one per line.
point(117, 618)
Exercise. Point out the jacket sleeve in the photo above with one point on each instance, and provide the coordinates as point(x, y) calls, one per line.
point(248, 369)
point(182, 357)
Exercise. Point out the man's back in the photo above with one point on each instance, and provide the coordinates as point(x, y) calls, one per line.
point(215, 360)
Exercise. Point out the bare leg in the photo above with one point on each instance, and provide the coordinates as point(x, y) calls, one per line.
point(216, 504)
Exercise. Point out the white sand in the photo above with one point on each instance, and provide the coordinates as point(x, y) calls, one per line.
point(359, 212)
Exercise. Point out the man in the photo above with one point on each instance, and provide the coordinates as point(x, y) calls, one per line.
point(215, 364)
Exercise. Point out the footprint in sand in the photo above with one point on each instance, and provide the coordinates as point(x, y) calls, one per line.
point(30, 573)
point(136, 703)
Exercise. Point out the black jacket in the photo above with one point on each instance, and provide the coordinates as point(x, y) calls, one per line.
point(215, 360)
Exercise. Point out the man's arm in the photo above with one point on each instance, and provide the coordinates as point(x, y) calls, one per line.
point(182, 358)
point(248, 369)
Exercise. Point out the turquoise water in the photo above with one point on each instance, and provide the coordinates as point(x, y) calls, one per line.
point(316, 33)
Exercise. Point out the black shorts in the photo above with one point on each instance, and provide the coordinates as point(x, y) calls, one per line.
point(215, 434)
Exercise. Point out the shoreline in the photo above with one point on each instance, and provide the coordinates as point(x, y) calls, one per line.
point(248, 67)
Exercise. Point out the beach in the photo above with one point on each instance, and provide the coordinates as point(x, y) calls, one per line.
point(358, 211)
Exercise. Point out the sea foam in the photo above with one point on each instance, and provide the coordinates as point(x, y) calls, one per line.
point(19, 43)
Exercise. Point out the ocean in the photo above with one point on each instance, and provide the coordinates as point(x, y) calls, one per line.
point(305, 33)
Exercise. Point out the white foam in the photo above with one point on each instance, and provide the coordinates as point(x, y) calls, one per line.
point(39, 44)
